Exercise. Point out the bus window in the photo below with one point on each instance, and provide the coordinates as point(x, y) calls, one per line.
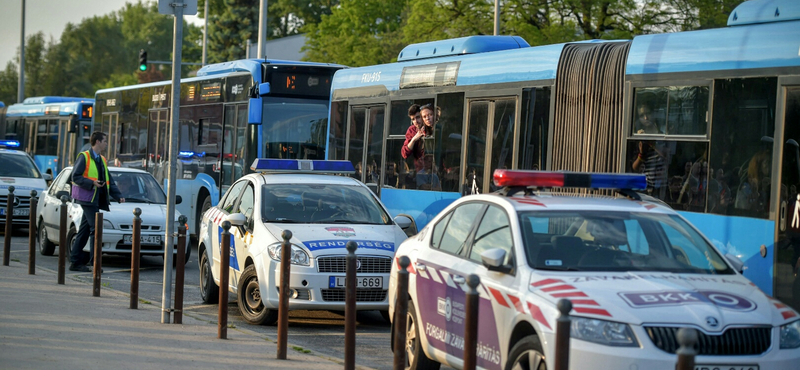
point(533, 133)
point(448, 140)
point(400, 171)
point(670, 110)
point(336, 144)
point(676, 171)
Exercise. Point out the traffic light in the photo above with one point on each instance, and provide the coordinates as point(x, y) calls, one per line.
point(142, 60)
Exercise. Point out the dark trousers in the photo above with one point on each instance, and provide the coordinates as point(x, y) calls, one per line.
point(85, 233)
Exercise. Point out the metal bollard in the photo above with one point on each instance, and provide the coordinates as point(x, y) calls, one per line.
point(136, 240)
point(224, 266)
point(62, 240)
point(98, 253)
point(283, 303)
point(401, 314)
point(32, 234)
point(562, 335)
point(179, 269)
point(471, 323)
point(9, 221)
point(350, 308)
point(687, 339)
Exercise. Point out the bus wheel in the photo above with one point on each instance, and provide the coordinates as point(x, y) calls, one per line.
point(46, 247)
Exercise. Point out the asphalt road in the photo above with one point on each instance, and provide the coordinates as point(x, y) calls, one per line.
point(319, 331)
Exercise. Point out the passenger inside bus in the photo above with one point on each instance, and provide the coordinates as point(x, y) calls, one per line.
point(645, 122)
point(427, 179)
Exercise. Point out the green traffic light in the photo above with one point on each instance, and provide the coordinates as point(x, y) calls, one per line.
point(142, 67)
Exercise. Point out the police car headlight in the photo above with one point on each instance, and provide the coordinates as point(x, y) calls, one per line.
point(107, 224)
point(298, 255)
point(602, 332)
point(790, 335)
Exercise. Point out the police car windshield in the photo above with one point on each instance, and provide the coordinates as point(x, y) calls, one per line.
point(617, 241)
point(321, 204)
point(16, 165)
point(137, 187)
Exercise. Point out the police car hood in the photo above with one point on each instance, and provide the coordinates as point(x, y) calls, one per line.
point(22, 186)
point(711, 301)
point(327, 239)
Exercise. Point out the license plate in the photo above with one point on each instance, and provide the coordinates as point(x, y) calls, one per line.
point(144, 239)
point(17, 211)
point(725, 367)
point(361, 282)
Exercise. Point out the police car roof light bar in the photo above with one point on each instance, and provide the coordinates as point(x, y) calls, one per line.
point(545, 179)
point(302, 166)
point(9, 144)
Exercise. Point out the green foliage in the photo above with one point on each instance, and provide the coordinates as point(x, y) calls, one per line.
point(230, 30)
point(8, 84)
point(357, 33)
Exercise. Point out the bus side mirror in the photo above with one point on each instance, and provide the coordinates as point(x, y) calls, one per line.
point(254, 107)
point(73, 123)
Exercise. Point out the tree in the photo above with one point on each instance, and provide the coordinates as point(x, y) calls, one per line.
point(358, 33)
point(230, 30)
point(9, 79)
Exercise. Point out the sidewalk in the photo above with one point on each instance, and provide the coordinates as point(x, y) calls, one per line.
point(44, 325)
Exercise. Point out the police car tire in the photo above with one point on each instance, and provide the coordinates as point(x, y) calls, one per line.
point(421, 360)
point(46, 247)
point(519, 354)
point(209, 291)
point(264, 316)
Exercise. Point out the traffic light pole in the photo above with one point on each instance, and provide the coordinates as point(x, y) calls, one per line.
point(166, 296)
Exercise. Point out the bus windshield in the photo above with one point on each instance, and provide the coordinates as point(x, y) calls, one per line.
point(617, 241)
point(294, 128)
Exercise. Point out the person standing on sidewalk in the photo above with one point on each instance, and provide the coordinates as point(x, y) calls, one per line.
point(92, 187)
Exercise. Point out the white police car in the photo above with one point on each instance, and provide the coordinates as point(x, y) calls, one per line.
point(634, 270)
point(20, 171)
point(323, 212)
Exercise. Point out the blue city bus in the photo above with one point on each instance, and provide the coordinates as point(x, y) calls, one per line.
point(710, 116)
point(230, 114)
point(52, 129)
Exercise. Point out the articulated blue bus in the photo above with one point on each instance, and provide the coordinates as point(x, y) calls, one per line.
point(711, 117)
point(230, 114)
point(52, 129)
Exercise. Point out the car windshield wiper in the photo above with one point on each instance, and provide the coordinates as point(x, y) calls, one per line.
point(557, 268)
point(138, 200)
point(283, 220)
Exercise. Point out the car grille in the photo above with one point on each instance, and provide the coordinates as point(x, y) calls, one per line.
point(362, 295)
point(369, 265)
point(144, 227)
point(732, 342)
point(24, 202)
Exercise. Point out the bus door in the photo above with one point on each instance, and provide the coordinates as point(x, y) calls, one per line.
point(365, 143)
point(66, 143)
point(158, 144)
point(787, 244)
point(232, 156)
point(490, 141)
point(46, 144)
point(109, 126)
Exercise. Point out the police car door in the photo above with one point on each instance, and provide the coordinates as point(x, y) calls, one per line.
point(499, 298)
point(226, 207)
point(440, 282)
point(242, 236)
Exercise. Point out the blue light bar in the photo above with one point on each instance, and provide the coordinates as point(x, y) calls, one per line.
point(9, 144)
point(302, 166)
point(569, 179)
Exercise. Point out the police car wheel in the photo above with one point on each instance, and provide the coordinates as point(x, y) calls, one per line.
point(46, 247)
point(526, 354)
point(209, 291)
point(249, 300)
point(416, 359)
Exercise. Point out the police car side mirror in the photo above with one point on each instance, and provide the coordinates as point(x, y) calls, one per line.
point(406, 223)
point(62, 193)
point(736, 262)
point(493, 260)
point(236, 219)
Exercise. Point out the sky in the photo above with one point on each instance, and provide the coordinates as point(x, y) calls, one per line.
point(51, 17)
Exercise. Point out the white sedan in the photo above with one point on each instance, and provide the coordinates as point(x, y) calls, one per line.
point(139, 189)
point(635, 271)
point(323, 212)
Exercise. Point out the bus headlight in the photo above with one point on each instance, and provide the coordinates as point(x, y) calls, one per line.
point(298, 255)
point(790, 335)
point(602, 332)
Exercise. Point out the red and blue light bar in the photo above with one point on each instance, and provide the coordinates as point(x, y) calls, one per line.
point(302, 166)
point(9, 144)
point(547, 179)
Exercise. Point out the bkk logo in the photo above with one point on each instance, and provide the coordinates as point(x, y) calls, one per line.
point(671, 298)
